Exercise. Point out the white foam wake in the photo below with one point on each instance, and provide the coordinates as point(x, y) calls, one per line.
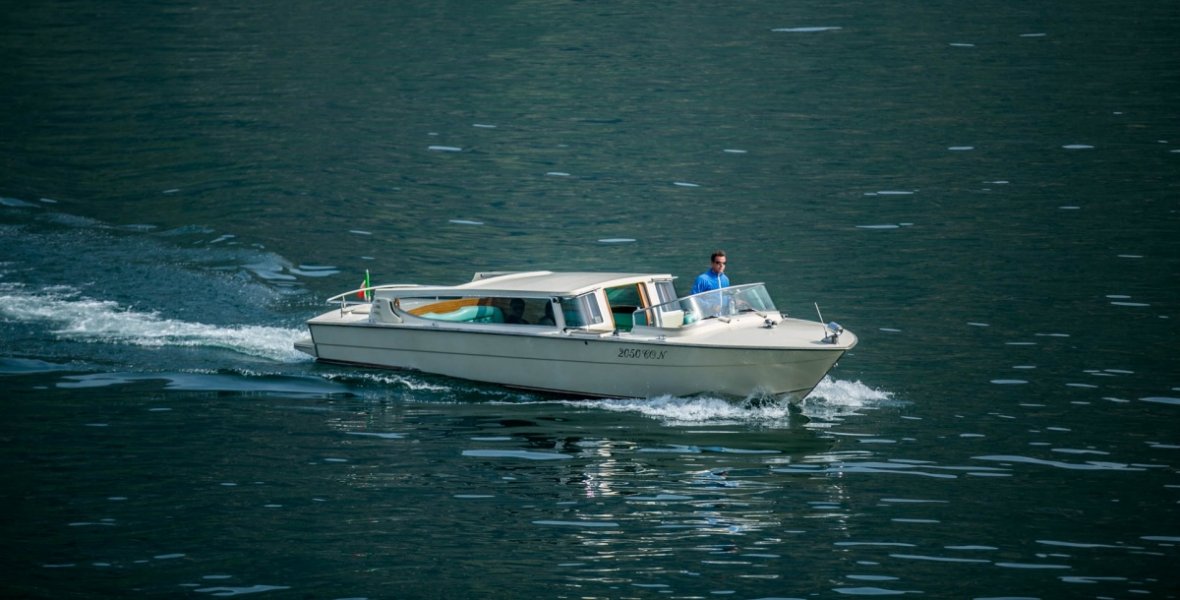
point(836, 398)
point(847, 393)
point(104, 321)
point(831, 400)
point(700, 410)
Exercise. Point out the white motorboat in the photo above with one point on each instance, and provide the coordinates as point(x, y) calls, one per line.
point(586, 334)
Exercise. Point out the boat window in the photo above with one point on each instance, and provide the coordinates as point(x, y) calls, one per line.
point(581, 311)
point(624, 295)
point(624, 301)
point(666, 311)
point(435, 305)
point(455, 310)
point(665, 291)
point(526, 311)
point(492, 309)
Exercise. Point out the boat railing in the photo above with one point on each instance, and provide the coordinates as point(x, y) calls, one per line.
point(713, 303)
point(364, 295)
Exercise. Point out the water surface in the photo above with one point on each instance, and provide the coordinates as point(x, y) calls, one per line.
point(985, 194)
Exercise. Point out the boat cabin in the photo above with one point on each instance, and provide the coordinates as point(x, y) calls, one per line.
point(593, 302)
point(573, 302)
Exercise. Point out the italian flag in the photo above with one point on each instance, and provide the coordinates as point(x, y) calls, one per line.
point(365, 285)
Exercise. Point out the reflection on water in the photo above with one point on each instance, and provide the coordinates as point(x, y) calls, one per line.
point(641, 508)
point(598, 497)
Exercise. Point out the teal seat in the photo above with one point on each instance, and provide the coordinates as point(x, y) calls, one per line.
point(470, 314)
point(487, 314)
point(623, 321)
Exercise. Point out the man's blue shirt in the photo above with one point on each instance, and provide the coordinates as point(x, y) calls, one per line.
point(709, 281)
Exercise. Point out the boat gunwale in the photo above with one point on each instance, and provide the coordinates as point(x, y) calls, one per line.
point(549, 332)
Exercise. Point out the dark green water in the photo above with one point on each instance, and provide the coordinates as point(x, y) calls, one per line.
point(988, 194)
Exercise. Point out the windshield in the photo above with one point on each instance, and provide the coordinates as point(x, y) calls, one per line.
point(713, 303)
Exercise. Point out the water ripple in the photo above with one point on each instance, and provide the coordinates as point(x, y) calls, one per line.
point(239, 591)
point(1086, 466)
point(516, 454)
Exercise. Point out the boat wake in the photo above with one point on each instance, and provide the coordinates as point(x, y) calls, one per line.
point(71, 316)
point(69, 278)
point(699, 410)
point(834, 399)
point(831, 401)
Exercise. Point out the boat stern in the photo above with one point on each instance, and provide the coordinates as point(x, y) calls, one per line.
point(306, 346)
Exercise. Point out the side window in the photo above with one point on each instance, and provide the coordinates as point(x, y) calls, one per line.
point(525, 311)
point(624, 301)
point(581, 311)
point(456, 310)
point(626, 296)
point(665, 291)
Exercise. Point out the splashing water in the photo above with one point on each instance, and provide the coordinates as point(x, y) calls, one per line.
point(830, 400)
point(103, 321)
point(833, 399)
point(854, 394)
point(701, 410)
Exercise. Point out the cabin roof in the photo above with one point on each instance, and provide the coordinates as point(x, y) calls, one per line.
point(569, 283)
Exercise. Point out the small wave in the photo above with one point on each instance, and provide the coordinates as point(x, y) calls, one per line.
point(240, 382)
point(805, 29)
point(26, 366)
point(608, 524)
point(869, 468)
point(410, 382)
point(1162, 400)
point(830, 399)
point(315, 270)
point(104, 321)
point(239, 591)
point(834, 398)
point(15, 203)
point(523, 454)
point(1086, 466)
point(271, 268)
point(700, 410)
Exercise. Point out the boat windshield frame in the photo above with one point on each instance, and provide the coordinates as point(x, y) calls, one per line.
point(723, 302)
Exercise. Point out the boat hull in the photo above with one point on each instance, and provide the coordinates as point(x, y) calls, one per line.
point(607, 366)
